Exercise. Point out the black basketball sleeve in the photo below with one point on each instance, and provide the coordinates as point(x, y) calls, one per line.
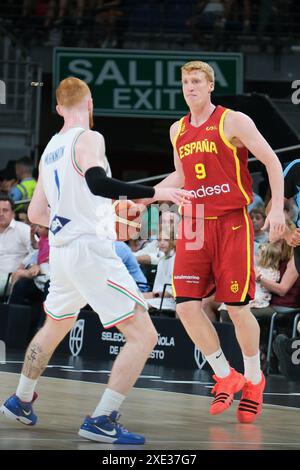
point(292, 181)
point(101, 185)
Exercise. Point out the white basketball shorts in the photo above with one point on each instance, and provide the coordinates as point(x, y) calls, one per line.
point(88, 271)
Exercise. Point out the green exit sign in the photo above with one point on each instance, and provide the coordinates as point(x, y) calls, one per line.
point(146, 84)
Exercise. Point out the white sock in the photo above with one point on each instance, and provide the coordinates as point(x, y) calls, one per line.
point(252, 368)
point(218, 363)
point(110, 401)
point(26, 388)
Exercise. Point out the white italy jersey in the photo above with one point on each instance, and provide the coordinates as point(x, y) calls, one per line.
point(75, 211)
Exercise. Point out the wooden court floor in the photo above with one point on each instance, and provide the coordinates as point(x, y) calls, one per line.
point(168, 420)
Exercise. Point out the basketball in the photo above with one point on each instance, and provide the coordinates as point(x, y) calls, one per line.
point(127, 219)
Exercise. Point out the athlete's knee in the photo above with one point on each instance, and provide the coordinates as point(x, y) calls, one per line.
point(186, 311)
point(148, 337)
point(239, 313)
point(141, 331)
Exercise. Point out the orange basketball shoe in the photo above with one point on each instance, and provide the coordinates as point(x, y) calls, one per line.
point(224, 390)
point(250, 406)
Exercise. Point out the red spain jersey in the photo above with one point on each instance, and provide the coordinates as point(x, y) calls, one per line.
point(216, 172)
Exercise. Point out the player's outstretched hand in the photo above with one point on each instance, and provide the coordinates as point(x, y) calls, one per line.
point(178, 196)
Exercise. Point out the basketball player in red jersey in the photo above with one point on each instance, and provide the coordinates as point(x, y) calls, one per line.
point(210, 153)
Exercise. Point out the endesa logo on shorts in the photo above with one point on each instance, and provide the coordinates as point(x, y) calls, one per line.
point(211, 190)
point(58, 223)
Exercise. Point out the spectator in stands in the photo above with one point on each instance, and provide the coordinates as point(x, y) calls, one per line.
point(149, 254)
point(136, 245)
point(207, 14)
point(272, 18)
point(267, 265)
point(26, 186)
point(164, 275)
point(28, 282)
point(238, 11)
point(14, 241)
point(128, 258)
point(169, 221)
point(258, 218)
point(22, 216)
point(108, 13)
point(286, 292)
point(8, 177)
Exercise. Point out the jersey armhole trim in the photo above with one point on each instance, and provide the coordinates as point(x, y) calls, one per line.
point(73, 157)
point(174, 141)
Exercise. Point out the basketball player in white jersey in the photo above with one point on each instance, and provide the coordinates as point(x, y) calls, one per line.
point(73, 198)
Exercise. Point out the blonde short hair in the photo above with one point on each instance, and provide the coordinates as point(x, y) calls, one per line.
point(198, 65)
point(71, 91)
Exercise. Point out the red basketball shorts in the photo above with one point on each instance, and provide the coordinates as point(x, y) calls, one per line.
point(215, 255)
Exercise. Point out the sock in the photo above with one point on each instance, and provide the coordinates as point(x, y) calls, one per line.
point(110, 401)
point(218, 363)
point(252, 368)
point(26, 388)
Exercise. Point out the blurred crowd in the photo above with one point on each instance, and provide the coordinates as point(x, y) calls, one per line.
point(210, 24)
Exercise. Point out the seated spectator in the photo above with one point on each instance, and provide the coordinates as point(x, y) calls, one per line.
point(14, 241)
point(169, 221)
point(149, 254)
point(128, 258)
point(108, 13)
point(22, 216)
point(206, 15)
point(163, 276)
point(267, 264)
point(136, 245)
point(286, 292)
point(28, 282)
point(258, 218)
point(26, 186)
point(8, 178)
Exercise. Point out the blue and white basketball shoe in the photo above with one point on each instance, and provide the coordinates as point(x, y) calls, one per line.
point(107, 429)
point(22, 411)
